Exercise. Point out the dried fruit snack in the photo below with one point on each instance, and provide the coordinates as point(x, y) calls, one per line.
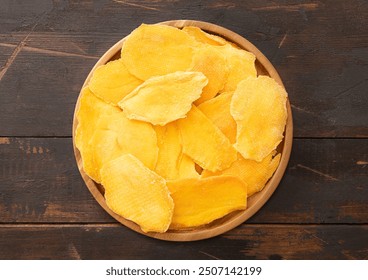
point(163, 99)
point(204, 142)
point(116, 135)
point(172, 163)
point(155, 50)
point(254, 174)
point(211, 62)
point(135, 192)
point(180, 130)
point(217, 110)
point(203, 37)
point(199, 201)
point(90, 110)
point(241, 65)
point(112, 82)
point(259, 108)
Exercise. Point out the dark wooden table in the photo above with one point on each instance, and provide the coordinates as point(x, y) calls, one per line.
point(320, 209)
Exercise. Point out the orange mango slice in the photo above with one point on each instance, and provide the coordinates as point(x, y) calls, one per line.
point(199, 201)
point(241, 65)
point(218, 111)
point(204, 37)
point(116, 135)
point(136, 193)
point(259, 108)
point(204, 142)
point(172, 163)
point(112, 82)
point(254, 174)
point(155, 50)
point(90, 110)
point(163, 99)
point(212, 63)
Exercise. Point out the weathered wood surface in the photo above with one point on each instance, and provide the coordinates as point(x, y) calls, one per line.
point(320, 48)
point(326, 182)
point(245, 242)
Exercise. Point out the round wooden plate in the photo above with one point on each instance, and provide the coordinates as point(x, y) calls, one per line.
point(255, 202)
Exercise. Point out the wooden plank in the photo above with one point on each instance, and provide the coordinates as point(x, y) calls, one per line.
point(320, 50)
point(5, 52)
point(244, 242)
point(325, 182)
point(88, 46)
point(39, 92)
point(18, 15)
point(41, 183)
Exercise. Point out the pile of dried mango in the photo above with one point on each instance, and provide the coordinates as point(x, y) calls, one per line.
point(180, 130)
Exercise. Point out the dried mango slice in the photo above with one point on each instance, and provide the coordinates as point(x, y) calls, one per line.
point(212, 63)
point(112, 82)
point(204, 142)
point(241, 65)
point(255, 174)
point(155, 50)
point(116, 135)
point(163, 99)
point(90, 110)
point(199, 201)
point(131, 137)
point(187, 168)
point(105, 147)
point(203, 37)
point(172, 163)
point(259, 108)
point(168, 140)
point(218, 111)
point(136, 193)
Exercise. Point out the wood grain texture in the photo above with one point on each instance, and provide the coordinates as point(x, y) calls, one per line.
point(319, 48)
point(40, 182)
point(244, 242)
point(325, 182)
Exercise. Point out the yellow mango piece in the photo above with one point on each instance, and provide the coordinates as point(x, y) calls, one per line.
point(112, 82)
point(132, 137)
point(241, 65)
point(90, 110)
point(172, 163)
point(204, 142)
point(254, 174)
point(105, 147)
point(187, 168)
point(155, 50)
point(259, 108)
point(163, 99)
point(199, 201)
point(168, 140)
point(218, 111)
point(204, 37)
point(116, 135)
point(212, 63)
point(136, 193)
